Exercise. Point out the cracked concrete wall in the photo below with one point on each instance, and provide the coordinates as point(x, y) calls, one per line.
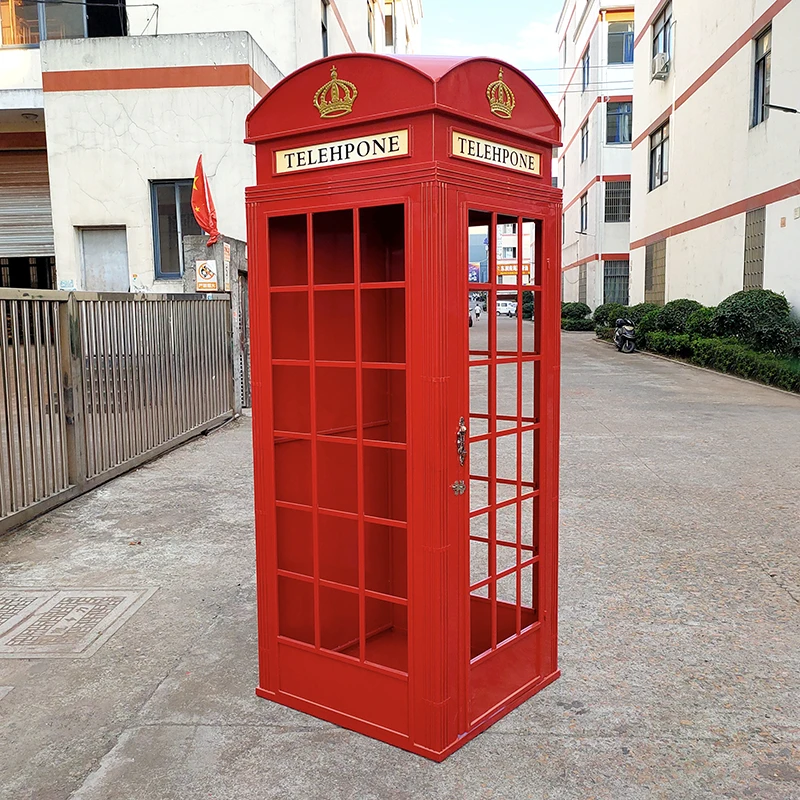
point(105, 147)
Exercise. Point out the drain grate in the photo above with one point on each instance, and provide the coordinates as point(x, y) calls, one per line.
point(71, 623)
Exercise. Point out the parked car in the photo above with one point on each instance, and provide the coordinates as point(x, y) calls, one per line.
point(506, 308)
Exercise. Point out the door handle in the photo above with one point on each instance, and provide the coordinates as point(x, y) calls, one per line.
point(461, 442)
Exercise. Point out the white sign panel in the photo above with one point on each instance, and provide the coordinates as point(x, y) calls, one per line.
point(344, 151)
point(495, 154)
point(206, 273)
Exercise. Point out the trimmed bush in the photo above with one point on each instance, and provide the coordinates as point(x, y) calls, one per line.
point(604, 332)
point(647, 324)
point(674, 315)
point(608, 313)
point(571, 324)
point(575, 311)
point(701, 323)
point(527, 305)
point(746, 314)
point(730, 356)
point(678, 345)
point(638, 312)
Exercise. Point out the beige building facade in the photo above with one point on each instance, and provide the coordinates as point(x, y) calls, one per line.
point(104, 110)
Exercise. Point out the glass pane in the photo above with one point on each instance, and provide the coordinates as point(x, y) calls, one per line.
point(64, 20)
point(167, 221)
point(19, 20)
point(189, 226)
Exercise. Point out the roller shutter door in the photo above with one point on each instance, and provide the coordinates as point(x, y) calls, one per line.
point(26, 221)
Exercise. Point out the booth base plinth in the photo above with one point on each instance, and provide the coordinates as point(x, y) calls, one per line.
point(404, 742)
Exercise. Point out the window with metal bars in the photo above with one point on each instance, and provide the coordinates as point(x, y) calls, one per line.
point(659, 156)
point(619, 122)
point(754, 231)
point(655, 273)
point(761, 79)
point(620, 42)
point(584, 142)
point(582, 283)
point(586, 69)
point(615, 282)
point(618, 201)
point(324, 26)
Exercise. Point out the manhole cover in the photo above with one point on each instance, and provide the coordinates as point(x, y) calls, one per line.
point(72, 623)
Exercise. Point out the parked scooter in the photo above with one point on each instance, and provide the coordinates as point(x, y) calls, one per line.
point(625, 336)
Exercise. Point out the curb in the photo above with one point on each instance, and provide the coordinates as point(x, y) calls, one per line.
point(706, 369)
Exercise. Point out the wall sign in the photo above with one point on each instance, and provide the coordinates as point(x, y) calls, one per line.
point(495, 154)
point(344, 151)
point(206, 276)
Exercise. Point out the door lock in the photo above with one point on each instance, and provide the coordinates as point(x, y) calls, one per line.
point(459, 487)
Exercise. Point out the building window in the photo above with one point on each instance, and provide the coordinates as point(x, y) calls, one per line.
point(324, 25)
point(582, 283)
point(27, 22)
point(618, 201)
point(554, 181)
point(762, 77)
point(662, 32)
point(754, 230)
point(585, 212)
point(172, 220)
point(659, 156)
point(371, 23)
point(509, 252)
point(620, 42)
point(585, 65)
point(619, 122)
point(615, 282)
point(584, 142)
point(563, 170)
point(655, 273)
point(388, 26)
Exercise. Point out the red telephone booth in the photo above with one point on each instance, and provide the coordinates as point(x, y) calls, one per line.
point(406, 449)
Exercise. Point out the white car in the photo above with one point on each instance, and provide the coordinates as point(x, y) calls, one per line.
point(506, 308)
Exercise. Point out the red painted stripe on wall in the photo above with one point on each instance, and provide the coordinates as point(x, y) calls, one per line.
point(88, 80)
point(725, 212)
point(651, 19)
point(741, 42)
point(23, 140)
point(582, 192)
point(569, 82)
point(342, 25)
point(581, 262)
point(615, 178)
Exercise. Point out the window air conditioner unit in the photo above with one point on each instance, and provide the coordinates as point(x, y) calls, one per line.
point(661, 66)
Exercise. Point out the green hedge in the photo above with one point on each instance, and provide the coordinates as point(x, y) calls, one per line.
point(729, 356)
point(609, 313)
point(675, 314)
point(568, 324)
point(575, 310)
point(527, 305)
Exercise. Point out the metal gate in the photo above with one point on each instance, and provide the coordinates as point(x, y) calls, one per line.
point(244, 332)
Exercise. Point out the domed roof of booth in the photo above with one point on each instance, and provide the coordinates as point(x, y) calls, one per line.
point(349, 88)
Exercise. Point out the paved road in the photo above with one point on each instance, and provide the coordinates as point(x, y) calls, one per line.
point(680, 651)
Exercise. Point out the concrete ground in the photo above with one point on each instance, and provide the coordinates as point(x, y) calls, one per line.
point(680, 643)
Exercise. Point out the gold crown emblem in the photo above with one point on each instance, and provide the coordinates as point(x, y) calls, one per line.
point(500, 97)
point(335, 98)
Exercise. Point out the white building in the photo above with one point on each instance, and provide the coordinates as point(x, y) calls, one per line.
point(596, 106)
point(716, 172)
point(104, 110)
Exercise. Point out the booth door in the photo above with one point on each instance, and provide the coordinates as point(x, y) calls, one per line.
point(337, 329)
point(504, 457)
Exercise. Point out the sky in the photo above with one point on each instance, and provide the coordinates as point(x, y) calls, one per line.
point(522, 32)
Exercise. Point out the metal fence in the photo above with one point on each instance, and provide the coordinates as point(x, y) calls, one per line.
point(92, 385)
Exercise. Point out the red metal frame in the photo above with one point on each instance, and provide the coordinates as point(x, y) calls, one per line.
point(361, 368)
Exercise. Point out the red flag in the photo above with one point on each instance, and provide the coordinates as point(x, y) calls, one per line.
point(203, 205)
